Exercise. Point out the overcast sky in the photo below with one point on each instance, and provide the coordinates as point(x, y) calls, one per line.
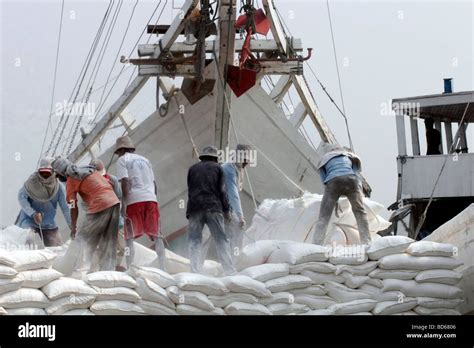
point(385, 50)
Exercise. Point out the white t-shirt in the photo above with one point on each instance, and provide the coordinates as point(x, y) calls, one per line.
point(140, 176)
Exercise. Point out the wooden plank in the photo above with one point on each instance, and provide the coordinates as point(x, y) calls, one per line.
point(281, 88)
point(255, 46)
point(188, 70)
point(226, 36)
point(401, 137)
point(415, 140)
point(306, 98)
point(131, 91)
point(437, 125)
point(277, 30)
point(298, 116)
point(449, 136)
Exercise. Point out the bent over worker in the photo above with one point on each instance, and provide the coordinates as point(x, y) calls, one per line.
point(98, 234)
point(208, 205)
point(340, 173)
point(39, 198)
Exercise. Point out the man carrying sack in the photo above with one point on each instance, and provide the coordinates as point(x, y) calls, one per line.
point(98, 234)
point(340, 173)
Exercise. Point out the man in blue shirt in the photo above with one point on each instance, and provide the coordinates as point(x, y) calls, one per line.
point(39, 198)
point(233, 174)
point(340, 173)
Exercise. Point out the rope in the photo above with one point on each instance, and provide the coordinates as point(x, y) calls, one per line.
point(335, 104)
point(54, 82)
point(118, 51)
point(131, 51)
point(93, 76)
point(423, 216)
point(195, 151)
point(80, 80)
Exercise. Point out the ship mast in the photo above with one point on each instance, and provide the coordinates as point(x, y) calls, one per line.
point(169, 59)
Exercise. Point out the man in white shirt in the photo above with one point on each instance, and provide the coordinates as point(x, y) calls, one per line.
point(139, 202)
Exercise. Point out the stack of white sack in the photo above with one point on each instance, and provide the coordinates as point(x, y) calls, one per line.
point(294, 219)
point(23, 274)
point(395, 276)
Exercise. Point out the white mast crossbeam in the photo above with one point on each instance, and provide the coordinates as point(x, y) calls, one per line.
point(145, 50)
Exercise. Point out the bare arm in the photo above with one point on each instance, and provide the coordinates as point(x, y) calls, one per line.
point(124, 185)
point(74, 218)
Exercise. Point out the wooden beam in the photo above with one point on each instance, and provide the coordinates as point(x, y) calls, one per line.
point(135, 86)
point(277, 30)
point(188, 70)
point(401, 137)
point(306, 98)
point(255, 46)
point(449, 135)
point(415, 140)
point(226, 36)
point(281, 88)
point(437, 124)
point(298, 116)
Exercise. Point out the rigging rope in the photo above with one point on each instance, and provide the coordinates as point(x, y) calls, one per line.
point(339, 76)
point(131, 51)
point(79, 82)
point(54, 82)
point(95, 70)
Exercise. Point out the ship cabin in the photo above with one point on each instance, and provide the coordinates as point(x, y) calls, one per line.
point(434, 159)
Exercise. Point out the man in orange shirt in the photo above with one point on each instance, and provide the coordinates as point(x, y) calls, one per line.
point(100, 227)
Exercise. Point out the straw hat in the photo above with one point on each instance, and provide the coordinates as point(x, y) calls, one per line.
point(124, 143)
point(209, 151)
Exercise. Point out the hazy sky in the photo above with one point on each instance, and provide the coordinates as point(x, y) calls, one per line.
point(385, 50)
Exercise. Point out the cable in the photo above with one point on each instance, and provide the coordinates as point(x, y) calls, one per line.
point(123, 67)
point(93, 77)
point(339, 76)
point(80, 80)
point(54, 82)
point(118, 51)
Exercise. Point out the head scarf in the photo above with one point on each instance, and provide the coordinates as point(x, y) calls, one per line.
point(41, 189)
point(65, 167)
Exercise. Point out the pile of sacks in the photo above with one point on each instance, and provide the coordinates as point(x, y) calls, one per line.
point(395, 276)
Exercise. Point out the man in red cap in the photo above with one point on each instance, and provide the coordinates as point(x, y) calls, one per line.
point(39, 198)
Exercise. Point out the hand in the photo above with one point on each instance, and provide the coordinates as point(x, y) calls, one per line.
point(38, 217)
point(73, 232)
point(241, 222)
point(227, 217)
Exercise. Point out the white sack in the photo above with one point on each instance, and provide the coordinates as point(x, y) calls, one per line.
point(388, 245)
point(412, 288)
point(110, 279)
point(267, 271)
point(421, 263)
point(428, 248)
point(39, 277)
point(67, 286)
point(202, 283)
point(289, 282)
point(246, 285)
point(24, 298)
point(242, 308)
point(116, 307)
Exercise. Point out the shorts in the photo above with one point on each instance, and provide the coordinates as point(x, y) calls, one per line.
point(142, 218)
point(51, 237)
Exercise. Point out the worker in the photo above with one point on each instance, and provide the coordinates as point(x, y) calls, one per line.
point(208, 205)
point(340, 173)
point(234, 173)
point(98, 234)
point(139, 199)
point(39, 198)
point(112, 179)
point(433, 138)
